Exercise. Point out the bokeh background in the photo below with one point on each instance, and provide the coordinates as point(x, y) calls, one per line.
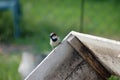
point(41, 17)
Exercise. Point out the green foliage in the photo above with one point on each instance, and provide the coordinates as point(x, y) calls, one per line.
point(6, 25)
point(9, 67)
point(114, 78)
point(101, 18)
point(47, 16)
point(41, 17)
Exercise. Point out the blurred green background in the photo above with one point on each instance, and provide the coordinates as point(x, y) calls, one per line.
point(41, 17)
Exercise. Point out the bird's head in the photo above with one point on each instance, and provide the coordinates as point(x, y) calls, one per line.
point(53, 37)
point(52, 34)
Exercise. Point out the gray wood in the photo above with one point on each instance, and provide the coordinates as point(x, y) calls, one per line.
point(74, 68)
point(107, 51)
point(66, 68)
point(51, 62)
point(89, 56)
point(82, 57)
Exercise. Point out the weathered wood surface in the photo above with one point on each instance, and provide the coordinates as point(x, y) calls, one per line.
point(51, 62)
point(74, 68)
point(65, 62)
point(107, 51)
point(89, 56)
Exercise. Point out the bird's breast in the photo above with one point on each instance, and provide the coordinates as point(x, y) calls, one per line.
point(55, 42)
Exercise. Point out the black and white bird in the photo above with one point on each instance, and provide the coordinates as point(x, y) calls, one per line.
point(54, 40)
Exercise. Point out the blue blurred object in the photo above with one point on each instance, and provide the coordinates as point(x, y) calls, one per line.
point(15, 8)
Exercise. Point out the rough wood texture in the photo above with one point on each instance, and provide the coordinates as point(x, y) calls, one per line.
point(106, 51)
point(51, 62)
point(64, 63)
point(84, 72)
point(74, 68)
point(89, 56)
point(65, 68)
point(85, 57)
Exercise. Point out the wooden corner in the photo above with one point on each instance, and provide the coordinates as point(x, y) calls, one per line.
point(89, 56)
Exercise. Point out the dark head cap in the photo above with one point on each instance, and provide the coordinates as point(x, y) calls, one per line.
point(52, 34)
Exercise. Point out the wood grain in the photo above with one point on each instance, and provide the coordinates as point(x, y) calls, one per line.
point(89, 56)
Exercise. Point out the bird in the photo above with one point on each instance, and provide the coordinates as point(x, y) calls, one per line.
point(54, 40)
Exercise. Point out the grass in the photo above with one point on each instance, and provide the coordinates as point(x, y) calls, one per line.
point(40, 18)
point(101, 18)
point(9, 66)
point(114, 78)
point(43, 17)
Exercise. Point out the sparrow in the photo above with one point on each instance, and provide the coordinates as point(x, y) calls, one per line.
point(54, 40)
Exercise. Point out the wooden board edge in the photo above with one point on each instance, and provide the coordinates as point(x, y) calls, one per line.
point(89, 56)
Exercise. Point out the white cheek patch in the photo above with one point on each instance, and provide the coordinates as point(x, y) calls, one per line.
point(54, 37)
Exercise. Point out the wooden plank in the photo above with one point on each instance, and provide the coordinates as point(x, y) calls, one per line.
point(89, 56)
point(64, 63)
point(74, 68)
point(84, 71)
point(106, 50)
point(47, 69)
point(64, 70)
